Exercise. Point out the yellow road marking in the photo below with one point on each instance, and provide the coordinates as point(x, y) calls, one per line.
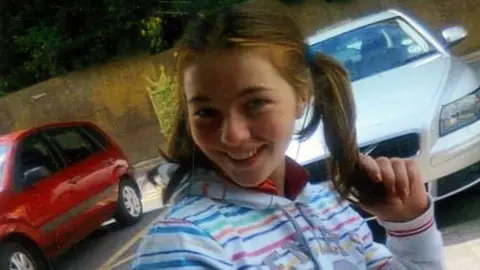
point(123, 261)
point(152, 197)
point(123, 249)
point(115, 257)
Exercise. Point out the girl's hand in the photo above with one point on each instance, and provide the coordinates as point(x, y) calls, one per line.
point(407, 197)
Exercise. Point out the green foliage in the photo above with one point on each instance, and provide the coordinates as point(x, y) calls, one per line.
point(45, 38)
point(164, 100)
point(152, 31)
point(43, 45)
point(199, 6)
point(41, 39)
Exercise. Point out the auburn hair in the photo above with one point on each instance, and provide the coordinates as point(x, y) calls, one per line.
point(318, 77)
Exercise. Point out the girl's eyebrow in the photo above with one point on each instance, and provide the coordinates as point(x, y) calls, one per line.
point(244, 92)
point(199, 99)
point(253, 90)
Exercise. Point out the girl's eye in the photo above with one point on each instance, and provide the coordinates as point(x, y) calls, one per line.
point(205, 113)
point(256, 104)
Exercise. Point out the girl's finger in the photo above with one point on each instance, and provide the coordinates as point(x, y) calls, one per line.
point(414, 176)
point(388, 175)
point(402, 181)
point(372, 168)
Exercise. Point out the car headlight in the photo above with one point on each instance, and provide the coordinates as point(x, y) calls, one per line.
point(460, 113)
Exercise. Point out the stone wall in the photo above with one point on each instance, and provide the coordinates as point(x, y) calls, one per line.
point(113, 96)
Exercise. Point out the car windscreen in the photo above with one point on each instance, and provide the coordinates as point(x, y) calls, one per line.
point(3, 156)
point(376, 48)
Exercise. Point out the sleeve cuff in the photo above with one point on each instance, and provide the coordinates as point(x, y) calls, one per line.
point(413, 227)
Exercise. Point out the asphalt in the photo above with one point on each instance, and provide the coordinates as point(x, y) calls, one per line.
point(111, 242)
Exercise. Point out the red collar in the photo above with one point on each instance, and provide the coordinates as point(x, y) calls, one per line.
point(296, 177)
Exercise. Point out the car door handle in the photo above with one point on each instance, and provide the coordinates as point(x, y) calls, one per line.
point(74, 180)
point(108, 162)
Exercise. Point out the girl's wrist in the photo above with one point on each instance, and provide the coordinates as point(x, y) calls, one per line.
point(413, 218)
point(416, 210)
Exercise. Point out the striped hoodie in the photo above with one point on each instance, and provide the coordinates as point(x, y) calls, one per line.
point(216, 225)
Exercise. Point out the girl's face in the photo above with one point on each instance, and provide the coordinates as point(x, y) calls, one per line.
point(241, 114)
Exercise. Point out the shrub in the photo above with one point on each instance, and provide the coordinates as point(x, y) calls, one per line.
point(164, 100)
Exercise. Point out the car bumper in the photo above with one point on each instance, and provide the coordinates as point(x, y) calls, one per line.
point(453, 162)
point(450, 166)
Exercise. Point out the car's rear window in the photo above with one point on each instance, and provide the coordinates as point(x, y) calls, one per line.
point(74, 145)
point(95, 135)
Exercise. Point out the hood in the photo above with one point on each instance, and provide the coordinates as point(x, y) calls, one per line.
point(296, 180)
point(208, 183)
point(387, 103)
point(217, 189)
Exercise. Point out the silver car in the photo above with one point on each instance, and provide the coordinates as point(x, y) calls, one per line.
point(414, 98)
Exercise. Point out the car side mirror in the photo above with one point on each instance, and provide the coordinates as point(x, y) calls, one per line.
point(454, 35)
point(35, 174)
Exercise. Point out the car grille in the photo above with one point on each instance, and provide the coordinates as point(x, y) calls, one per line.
point(451, 183)
point(403, 146)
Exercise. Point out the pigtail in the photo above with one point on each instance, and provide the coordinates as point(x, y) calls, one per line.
point(333, 102)
point(249, 25)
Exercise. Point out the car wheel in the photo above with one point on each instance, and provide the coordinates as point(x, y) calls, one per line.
point(129, 209)
point(14, 256)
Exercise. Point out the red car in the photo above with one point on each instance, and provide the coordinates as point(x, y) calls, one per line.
point(59, 183)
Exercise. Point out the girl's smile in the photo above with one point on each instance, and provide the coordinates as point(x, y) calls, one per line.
point(246, 159)
point(241, 114)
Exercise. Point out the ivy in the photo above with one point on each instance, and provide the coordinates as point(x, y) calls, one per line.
point(164, 100)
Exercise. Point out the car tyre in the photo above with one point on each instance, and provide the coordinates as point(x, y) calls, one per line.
point(129, 205)
point(15, 256)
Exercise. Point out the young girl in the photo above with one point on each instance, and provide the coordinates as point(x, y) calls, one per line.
point(245, 76)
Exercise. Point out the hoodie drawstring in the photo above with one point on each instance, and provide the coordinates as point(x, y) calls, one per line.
point(304, 245)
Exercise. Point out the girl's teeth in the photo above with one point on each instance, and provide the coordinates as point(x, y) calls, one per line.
point(246, 156)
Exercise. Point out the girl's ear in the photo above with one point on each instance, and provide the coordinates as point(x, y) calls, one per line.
point(301, 104)
point(300, 108)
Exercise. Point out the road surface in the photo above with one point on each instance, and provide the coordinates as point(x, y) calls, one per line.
point(103, 244)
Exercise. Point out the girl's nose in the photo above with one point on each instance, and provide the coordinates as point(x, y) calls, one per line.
point(235, 130)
